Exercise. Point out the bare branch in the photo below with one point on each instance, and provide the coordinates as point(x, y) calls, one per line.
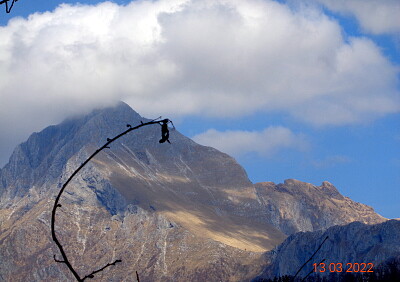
point(91, 275)
point(57, 205)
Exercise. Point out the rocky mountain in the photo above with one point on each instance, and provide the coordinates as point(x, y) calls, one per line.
point(295, 206)
point(172, 212)
point(356, 242)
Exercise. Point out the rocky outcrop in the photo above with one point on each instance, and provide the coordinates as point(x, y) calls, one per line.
point(298, 206)
point(352, 243)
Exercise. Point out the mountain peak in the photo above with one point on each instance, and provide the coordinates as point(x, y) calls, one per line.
point(196, 186)
point(118, 109)
point(43, 156)
point(330, 190)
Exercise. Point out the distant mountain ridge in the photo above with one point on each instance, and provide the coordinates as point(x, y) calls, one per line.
point(298, 206)
point(173, 199)
point(352, 243)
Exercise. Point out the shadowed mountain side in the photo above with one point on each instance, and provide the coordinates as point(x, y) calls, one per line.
point(40, 160)
point(352, 243)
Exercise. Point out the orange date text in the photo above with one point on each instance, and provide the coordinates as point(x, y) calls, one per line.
point(341, 267)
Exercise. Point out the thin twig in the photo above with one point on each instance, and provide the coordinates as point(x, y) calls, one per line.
point(101, 269)
point(312, 271)
point(56, 260)
point(310, 257)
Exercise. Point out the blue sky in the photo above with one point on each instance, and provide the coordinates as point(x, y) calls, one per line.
point(292, 89)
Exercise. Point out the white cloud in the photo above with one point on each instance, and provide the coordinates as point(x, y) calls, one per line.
point(374, 16)
point(265, 142)
point(175, 57)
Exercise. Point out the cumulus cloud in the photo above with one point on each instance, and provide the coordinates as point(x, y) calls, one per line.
point(374, 16)
point(264, 143)
point(220, 58)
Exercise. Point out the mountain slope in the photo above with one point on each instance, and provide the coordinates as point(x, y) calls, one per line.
point(41, 159)
point(352, 243)
point(147, 242)
point(298, 206)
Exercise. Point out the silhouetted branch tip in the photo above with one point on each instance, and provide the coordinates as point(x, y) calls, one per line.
point(8, 9)
point(59, 205)
point(128, 125)
point(59, 261)
point(108, 139)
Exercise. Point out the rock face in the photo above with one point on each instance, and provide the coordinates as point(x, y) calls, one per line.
point(352, 243)
point(298, 206)
point(41, 159)
point(172, 212)
point(147, 242)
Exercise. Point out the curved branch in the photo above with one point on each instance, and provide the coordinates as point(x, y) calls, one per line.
point(8, 10)
point(57, 205)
